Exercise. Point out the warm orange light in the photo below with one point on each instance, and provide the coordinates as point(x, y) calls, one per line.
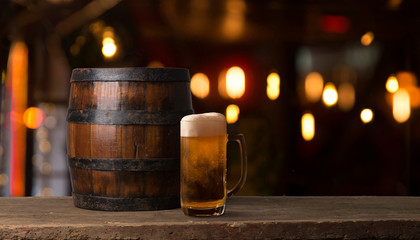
point(108, 32)
point(392, 84)
point(234, 22)
point(401, 106)
point(33, 117)
point(109, 48)
point(394, 4)
point(367, 38)
point(330, 95)
point(347, 96)
point(414, 93)
point(308, 126)
point(235, 82)
point(366, 115)
point(232, 113)
point(273, 86)
point(17, 84)
point(406, 79)
point(221, 84)
point(314, 84)
point(200, 85)
point(155, 64)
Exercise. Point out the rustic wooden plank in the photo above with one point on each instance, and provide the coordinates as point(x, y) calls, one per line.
point(245, 218)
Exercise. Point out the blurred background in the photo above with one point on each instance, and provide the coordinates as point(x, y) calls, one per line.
point(326, 92)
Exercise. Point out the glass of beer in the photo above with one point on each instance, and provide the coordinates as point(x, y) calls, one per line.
point(203, 164)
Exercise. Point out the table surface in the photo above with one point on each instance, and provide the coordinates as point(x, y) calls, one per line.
point(245, 218)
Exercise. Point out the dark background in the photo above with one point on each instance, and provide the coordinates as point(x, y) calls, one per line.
point(346, 157)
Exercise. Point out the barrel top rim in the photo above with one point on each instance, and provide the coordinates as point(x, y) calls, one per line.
point(131, 74)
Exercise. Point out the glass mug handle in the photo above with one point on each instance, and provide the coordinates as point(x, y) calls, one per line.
point(240, 139)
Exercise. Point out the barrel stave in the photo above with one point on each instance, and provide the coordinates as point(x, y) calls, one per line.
point(123, 137)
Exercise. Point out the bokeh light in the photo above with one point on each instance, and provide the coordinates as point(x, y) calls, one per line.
point(367, 38)
point(347, 96)
point(401, 106)
point(273, 86)
point(109, 48)
point(308, 126)
point(232, 113)
point(33, 117)
point(406, 79)
point(366, 115)
point(392, 84)
point(45, 146)
point(235, 82)
point(221, 84)
point(330, 95)
point(155, 64)
point(200, 85)
point(234, 21)
point(4, 179)
point(314, 84)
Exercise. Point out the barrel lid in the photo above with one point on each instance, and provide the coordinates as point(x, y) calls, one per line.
point(142, 74)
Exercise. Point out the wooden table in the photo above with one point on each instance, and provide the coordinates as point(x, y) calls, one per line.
point(245, 218)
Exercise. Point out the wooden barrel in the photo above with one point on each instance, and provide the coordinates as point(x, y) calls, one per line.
point(123, 138)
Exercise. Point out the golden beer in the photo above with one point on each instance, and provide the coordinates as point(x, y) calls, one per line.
point(203, 175)
point(203, 164)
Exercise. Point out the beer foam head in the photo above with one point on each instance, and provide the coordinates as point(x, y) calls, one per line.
point(205, 124)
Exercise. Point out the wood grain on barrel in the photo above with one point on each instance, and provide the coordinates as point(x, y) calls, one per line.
point(92, 139)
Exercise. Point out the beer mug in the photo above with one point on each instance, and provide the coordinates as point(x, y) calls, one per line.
point(203, 164)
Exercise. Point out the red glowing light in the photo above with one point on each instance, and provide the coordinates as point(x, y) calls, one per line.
point(334, 24)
